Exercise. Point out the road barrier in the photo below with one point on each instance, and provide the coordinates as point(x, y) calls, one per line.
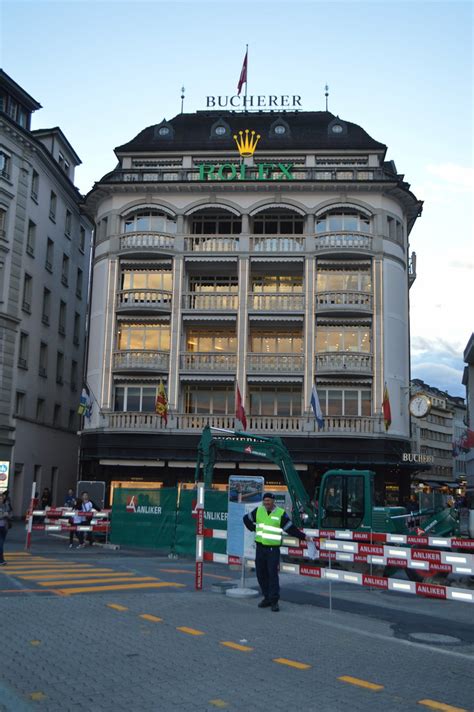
point(342, 547)
point(424, 560)
point(427, 590)
point(60, 519)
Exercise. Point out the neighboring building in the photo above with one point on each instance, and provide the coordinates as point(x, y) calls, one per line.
point(438, 435)
point(277, 267)
point(44, 265)
point(468, 381)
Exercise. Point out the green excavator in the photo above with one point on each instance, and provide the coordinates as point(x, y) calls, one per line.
point(346, 498)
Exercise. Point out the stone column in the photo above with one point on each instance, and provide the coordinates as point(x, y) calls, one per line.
point(175, 336)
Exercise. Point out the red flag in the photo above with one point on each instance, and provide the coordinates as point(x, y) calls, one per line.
point(387, 413)
point(239, 408)
point(243, 75)
point(467, 440)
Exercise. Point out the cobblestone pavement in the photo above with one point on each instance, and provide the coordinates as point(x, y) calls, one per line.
point(173, 649)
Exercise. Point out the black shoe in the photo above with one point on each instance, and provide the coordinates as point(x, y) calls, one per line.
point(275, 607)
point(4, 563)
point(264, 604)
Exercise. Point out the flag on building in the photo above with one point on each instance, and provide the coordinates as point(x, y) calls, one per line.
point(239, 407)
point(243, 74)
point(387, 413)
point(316, 406)
point(161, 403)
point(85, 405)
point(466, 441)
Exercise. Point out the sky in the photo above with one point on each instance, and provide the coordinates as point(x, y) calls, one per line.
point(402, 70)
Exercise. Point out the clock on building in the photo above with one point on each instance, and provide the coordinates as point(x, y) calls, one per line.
point(420, 405)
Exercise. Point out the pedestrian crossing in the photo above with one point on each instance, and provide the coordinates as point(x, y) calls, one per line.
point(68, 578)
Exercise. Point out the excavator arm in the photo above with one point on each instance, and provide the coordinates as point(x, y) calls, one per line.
point(271, 449)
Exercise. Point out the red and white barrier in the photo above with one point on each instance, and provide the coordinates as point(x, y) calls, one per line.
point(427, 590)
point(59, 519)
point(400, 539)
point(199, 536)
point(429, 560)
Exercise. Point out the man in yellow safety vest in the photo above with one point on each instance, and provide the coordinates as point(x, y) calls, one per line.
point(268, 521)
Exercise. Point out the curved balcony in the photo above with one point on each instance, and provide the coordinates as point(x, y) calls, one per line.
point(141, 360)
point(277, 302)
point(344, 302)
point(199, 362)
point(275, 363)
point(302, 426)
point(143, 243)
point(277, 243)
point(218, 301)
point(143, 300)
point(211, 243)
point(344, 362)
point(343, 241)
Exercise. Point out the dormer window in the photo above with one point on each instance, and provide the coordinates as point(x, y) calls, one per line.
point(337, 128)
point(220, 129)
point(164, 131)
point(279, 129)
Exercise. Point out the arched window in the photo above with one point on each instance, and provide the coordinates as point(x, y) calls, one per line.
point(152, 220)
point(215, 222)
point(278, 221)
point(343, 219)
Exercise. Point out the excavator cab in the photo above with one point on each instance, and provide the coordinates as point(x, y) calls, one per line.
point(345, 500)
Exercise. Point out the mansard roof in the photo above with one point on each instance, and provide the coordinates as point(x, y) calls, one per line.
point(307, 130)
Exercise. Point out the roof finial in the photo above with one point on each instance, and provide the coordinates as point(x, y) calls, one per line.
point(326, 94)
point(182, 98)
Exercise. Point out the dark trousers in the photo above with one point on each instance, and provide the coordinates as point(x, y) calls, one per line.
point(3, 536)
point(267, 560)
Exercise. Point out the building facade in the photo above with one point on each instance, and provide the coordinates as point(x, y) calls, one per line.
point(468, 436)
point(45, 243)
point(437, 436)
point(277, 258)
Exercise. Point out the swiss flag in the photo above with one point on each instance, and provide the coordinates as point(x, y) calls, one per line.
point(239, 408)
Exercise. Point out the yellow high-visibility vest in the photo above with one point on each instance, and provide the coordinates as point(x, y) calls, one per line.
point(267, 526)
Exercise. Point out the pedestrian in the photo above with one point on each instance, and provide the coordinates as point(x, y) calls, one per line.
point(8, 501)
point(268, 521)
point(46, 498)
point(71, 503)
point(85, 506)
point(5, 519)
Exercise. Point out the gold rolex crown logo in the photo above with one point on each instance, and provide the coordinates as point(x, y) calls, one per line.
point(246, 142)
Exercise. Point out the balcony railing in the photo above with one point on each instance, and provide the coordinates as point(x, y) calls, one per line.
point(353, 301)
point(343, 362)
point(141, 360)
point(276, 302)
point(275, 363)
point(172, 173)
point(303, 426)
point(212, 302)
point(209, 361)
point(144, 298)
point(277, 243)
point(146, 241)
point(211, 243)
point(344, 241)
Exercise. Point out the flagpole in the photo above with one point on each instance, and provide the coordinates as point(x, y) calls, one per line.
point(246, 74)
